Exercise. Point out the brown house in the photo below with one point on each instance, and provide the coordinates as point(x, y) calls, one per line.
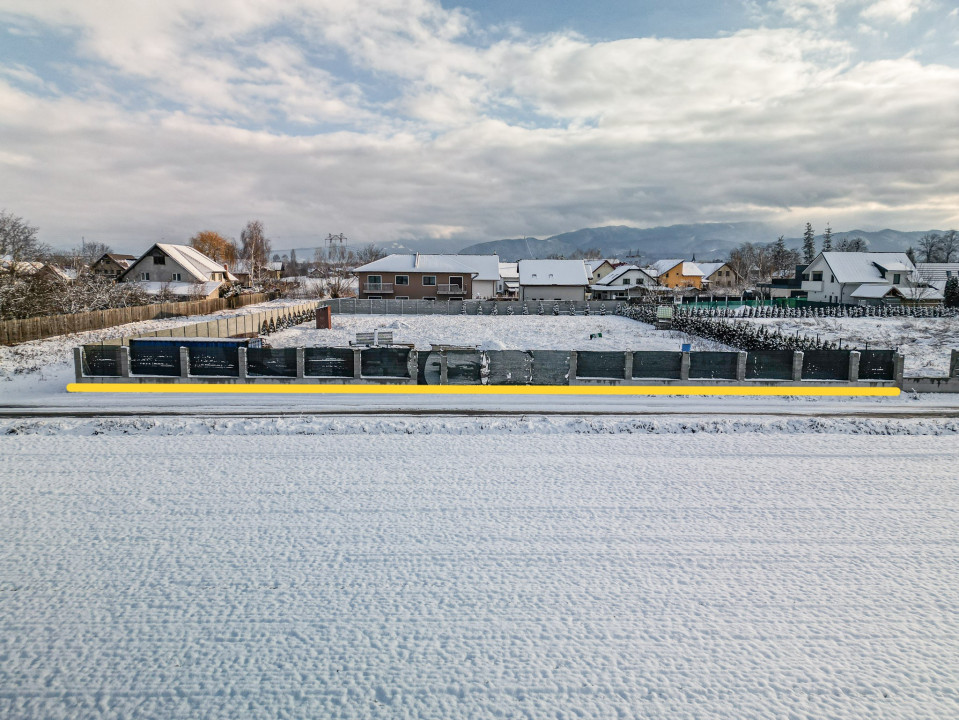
point(428, 277)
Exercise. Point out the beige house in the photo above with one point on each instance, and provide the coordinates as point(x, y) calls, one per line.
point(718, 275)
point(112, 265)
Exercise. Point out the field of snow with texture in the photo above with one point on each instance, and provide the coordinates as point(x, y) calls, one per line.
point(364, 572)
point(498, 332)
point(925, 342)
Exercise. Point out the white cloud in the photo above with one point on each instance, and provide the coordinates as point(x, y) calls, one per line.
point(470, 141)
point(898, 11)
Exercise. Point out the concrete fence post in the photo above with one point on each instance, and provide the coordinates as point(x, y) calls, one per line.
point(797, 366)
point(413, 367)
point(300, 363)
point(740, 366)
point(684, 367)
point(573, 369)
point(854, 366)
point(184, 362)
point(628, 366)
point(125, 361)
point(898, 366)
point(241, 362)
point(78, 363)
point(954, 363)
point(357, 364)
point(444, 368)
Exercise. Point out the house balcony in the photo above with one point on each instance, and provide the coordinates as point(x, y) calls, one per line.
point(450, 290)
point(379, 288)
point(812, 285)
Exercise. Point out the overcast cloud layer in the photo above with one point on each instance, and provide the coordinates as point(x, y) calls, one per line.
point(128, 122)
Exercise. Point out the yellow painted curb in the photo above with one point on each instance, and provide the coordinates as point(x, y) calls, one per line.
point(376, 389)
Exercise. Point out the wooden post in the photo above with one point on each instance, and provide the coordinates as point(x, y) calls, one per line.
point(797, 366)
point(854, 366)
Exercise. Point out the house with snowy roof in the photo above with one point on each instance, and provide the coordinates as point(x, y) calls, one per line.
point(178, 269)
point(598, 269)
point(718, 275)
point(553, 280)
point(112, 265)
point(508, 285)
point(677, 273)
point(622, 283)
point(429, 277)
point(873, 278)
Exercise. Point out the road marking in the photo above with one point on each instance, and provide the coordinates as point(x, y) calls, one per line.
point(382, 389)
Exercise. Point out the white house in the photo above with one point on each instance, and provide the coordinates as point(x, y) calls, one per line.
point(621, 282)
point(553, 279)
point(181, 269)
point(508, 285)
point(487, 274)
point(598, 269)
point(865, 278)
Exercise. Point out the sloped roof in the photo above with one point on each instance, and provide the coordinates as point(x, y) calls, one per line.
point(937, 271)
point(619, 272)
point(867, 291)
point(426, 263)
point(709, 268)
point(689, 269)
point(486, 266)
point(553, 272)
point(123, 261)
point(853, 267)
point(508, 271)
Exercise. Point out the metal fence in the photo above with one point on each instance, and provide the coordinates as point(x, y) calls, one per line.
point(228, 362)
point(355, 306)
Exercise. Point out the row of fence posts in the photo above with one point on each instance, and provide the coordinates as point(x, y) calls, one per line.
point(375, 364)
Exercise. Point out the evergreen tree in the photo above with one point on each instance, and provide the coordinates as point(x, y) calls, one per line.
point(827, 239)
point(952, 292)
point(808, 244)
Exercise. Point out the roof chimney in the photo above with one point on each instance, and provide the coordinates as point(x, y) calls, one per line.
point(416, 261)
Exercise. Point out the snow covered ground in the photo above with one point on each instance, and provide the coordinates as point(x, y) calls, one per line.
point(925, 342)
point(373, 573)
point(501, 332)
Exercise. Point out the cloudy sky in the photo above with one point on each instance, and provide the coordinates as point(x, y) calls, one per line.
point(129, 122)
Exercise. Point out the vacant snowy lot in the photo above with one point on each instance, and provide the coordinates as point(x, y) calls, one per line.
point(500, 332)
point(925, 342)
point(366, 574)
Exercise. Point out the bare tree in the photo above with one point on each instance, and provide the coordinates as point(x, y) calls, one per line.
point(948, 246)
point(369, 253)
point(857, 244)
point(929, 245)
point(255, 249)
point(19, 242)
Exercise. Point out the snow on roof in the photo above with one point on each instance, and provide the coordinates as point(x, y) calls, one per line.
point(937, 271)
point(508, 271)
point(709, 268)
point(428, 263)
point(853, 267)
point(190, 259)
point(688, 269)
point(619, 272)
point(186, 289)
point(486, 266)
point(874, 292)
point(553, 272)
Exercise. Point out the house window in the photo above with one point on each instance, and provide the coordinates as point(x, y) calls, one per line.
point(159, 259)
point(402, 297)
point(375, 279)
point(144, 276)
point(817, 277)
point(625, 281)
point(896, 278)
point(805, 276)
point(833, 278)
point(176, 277)
point(429, 280)
point(402, 280)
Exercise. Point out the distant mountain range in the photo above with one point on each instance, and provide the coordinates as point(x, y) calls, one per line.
point(706, 241)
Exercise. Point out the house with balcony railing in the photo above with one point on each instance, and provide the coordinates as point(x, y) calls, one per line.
point(429, 277)
point(855, 278)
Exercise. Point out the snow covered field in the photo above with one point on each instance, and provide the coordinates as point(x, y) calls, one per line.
point(501, 332)
point(366, 573)
point(925, 342)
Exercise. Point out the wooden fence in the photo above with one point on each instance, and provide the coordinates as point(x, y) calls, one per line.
point(19, 331)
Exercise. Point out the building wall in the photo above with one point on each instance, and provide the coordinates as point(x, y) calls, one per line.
point(158, 273)
point(107, 268)
point(722, 277)
point(675, 279)
point(552, 292)
point(483, 289)
point(416, 290)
